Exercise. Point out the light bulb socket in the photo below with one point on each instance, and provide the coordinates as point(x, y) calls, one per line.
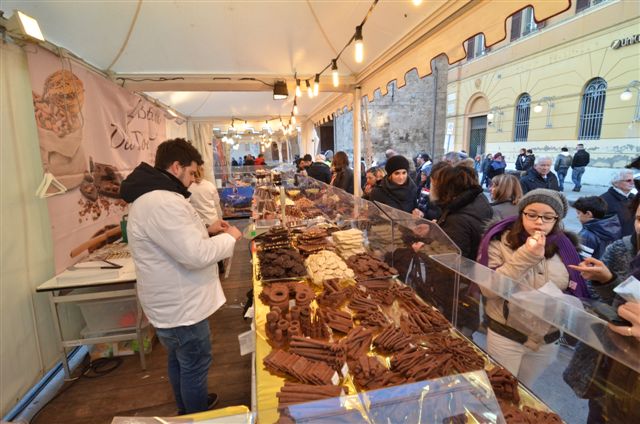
point(334, 64)
point(358, 36)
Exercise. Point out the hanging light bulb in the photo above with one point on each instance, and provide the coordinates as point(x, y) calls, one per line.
point(293, 119)
point(295, 106)
point(359, 46)
point(417, 2)
point(298, 90)
point(316, 85)
point(624, 96)
point(538, 108)
point(334, 72)
point(309, 90)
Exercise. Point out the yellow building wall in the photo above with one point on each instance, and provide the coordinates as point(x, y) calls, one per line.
point(544, 64)
point(561, 73)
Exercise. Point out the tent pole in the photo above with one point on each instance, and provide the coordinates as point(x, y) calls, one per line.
point(357, 133)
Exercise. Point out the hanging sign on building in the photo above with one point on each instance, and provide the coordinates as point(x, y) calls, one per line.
point(624, 42)
point(92, 133)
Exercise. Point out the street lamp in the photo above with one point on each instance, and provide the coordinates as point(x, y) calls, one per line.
point(495, 116)
point(550, 105)
point(626, 95)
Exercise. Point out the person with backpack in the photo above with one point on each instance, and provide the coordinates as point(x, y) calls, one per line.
point(562, 165)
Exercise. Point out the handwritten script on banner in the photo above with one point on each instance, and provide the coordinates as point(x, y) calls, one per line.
point(92, 133)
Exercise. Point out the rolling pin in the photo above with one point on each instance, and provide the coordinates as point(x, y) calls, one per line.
point(116, 231)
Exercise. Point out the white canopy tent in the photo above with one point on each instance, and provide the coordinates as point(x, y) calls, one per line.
point(206, 60)
point(197, 56)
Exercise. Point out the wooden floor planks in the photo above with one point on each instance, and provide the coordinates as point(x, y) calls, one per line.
point(130, 391)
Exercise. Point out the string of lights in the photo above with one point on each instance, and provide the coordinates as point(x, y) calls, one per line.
point(314, 89)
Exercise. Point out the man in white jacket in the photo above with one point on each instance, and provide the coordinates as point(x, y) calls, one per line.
point(176, 266)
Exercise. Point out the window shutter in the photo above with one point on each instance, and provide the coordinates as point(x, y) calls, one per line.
point(516, 24)
point(470, 48)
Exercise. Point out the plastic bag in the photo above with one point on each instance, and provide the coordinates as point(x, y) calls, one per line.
point(629, 289)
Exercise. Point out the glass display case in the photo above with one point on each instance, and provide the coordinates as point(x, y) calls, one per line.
point(594, 367)
point(237, 184)
point(459, 398)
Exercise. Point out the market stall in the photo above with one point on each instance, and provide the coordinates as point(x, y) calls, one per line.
point(347, 331)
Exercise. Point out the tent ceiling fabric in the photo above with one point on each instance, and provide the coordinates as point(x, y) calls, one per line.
point(270, 38)
point(240, 105)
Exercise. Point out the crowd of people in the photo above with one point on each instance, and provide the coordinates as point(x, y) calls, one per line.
point(520, 234)
point(248, 160)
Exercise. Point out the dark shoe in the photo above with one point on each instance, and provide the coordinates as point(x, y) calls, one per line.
point(212, 400)
point(576, 189)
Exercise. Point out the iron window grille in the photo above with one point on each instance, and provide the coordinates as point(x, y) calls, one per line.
point(523, 110)
point(592, 109)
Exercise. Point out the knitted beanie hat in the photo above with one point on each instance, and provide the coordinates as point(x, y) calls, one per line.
point(552, 198)
point(395, 163)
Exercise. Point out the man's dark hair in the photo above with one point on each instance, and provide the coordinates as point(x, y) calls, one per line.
point(177, 149)
point(307, 158)
point(564, 149)
point(594, 204)
point(529, 151)
point(425, 157)
point(635, 164)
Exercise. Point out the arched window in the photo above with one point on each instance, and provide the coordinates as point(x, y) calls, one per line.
point(523, 108)
point(592, 109)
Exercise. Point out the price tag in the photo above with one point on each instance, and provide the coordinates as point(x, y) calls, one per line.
point(345, 370)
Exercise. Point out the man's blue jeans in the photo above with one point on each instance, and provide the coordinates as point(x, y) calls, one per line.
point(576, 176)
point(562, 173)
point(189, 349)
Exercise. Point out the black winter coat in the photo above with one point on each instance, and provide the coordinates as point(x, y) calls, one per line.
point(528, 163)
point(618, 204)
point(344, 180)
point(520, 160)
point(534, 180)
point(401, 197)
point(581, 158)
point(320, 171)
point(464, 220)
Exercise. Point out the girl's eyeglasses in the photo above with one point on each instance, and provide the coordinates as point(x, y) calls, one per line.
point(532, 216)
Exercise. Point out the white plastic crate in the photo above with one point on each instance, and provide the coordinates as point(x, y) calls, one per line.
point(108, 314)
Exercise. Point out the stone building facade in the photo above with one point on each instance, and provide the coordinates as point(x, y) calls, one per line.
point(409, 119)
